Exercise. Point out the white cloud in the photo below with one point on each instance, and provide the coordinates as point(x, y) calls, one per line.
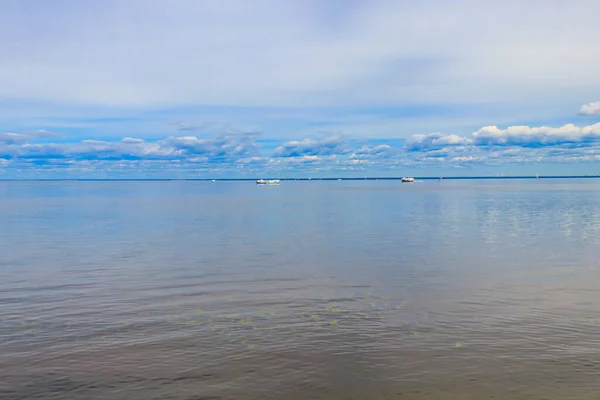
point(252, 160)
point(12, 138)
point(224, 146)
point(464, 159)
point(16, 138)
point(219, 149)
point(537, 136)
point(309, 158)
point(379, 151)
point(313, 147)
point(590, 109)
point(520, 136)
point(355, 161)
point(491, 145)
point(132, 140)
point(434, 141)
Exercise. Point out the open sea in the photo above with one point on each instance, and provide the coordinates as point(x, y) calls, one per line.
point(370, 290)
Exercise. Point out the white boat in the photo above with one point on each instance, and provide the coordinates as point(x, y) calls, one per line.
point(267, 182)
point(407, 180)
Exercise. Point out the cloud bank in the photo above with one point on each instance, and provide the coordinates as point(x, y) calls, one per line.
point(244, 154)
point(221, 149)
point(517, 136)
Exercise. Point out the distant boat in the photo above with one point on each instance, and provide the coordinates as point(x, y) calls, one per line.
point(407, 179)
point(267, 182)
point(537, 176)
point(213, 180)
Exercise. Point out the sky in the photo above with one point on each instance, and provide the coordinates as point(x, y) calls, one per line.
point(306, 88)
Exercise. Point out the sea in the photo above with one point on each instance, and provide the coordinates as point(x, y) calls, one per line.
point(351, 289)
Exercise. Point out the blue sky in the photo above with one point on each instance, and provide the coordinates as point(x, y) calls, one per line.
point(186, 89)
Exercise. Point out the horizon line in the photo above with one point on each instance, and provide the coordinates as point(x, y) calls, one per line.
point(308, 179)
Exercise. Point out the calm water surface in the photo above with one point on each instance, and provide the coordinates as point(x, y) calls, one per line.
point(307, 290)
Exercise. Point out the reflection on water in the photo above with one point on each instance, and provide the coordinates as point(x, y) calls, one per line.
point(333, 290)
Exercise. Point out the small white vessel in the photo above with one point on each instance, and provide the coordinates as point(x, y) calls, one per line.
point(267, 182)
point(407, 179)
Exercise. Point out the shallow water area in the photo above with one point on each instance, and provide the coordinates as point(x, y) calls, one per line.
point(307, 289)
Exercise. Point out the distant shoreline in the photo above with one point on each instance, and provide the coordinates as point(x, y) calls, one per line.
point(299, 179)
